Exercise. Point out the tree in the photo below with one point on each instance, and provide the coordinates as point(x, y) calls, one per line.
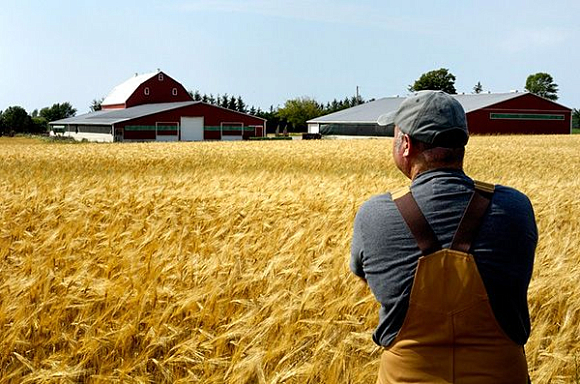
point(232, 103)
point(2, 128)
point(298, 111)
point(16, 119)
point(271, 117)
point(542, 84)
point(478, 88)
point(39, 125)
point(195, 95)
point(440, 79)
point(241, 106)
point(576, 118)
point(58, 111)
point(96, 105)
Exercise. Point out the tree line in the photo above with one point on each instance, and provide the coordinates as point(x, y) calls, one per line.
point(15, 119)
point(291, 117)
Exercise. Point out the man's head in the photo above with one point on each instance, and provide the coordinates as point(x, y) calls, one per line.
point(430, 132)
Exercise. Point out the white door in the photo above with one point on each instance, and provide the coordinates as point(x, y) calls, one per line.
point(192, 128)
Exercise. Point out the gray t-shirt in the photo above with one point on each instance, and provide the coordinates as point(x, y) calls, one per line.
point(385, 253)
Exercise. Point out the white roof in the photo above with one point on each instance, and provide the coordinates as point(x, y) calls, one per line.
point(123, 91)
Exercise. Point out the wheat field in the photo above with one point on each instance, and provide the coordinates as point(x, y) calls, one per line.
point(221, 262)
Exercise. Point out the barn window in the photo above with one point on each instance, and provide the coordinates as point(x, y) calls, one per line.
point(160, 77)
point(525, 116)
point(174, 91)
point(146, 90)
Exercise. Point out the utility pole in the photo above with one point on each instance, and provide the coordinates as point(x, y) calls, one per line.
point(357, 92)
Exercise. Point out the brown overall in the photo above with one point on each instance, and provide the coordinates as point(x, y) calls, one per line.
point(450, 334)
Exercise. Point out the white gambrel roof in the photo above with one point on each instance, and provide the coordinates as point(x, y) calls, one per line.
point(370, 112)
point(123, 91)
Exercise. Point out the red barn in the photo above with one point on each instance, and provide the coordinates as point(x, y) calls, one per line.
point(515, 113)
point(487, 113)
point(155, 107)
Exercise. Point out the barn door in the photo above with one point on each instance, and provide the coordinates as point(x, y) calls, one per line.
point(192, 128)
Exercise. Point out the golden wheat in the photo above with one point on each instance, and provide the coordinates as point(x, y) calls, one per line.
point(225, 262)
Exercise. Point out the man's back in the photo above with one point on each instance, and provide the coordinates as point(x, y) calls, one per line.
point(385, 253)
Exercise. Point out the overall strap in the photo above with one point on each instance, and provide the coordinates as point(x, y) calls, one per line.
point(420, 228)
point(472, 217)
point(422, 231)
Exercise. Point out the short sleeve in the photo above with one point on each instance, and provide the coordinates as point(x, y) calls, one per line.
point(357, 248)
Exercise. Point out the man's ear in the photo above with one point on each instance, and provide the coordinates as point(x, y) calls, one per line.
point(407, 145)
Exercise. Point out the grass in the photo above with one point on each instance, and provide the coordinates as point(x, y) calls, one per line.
point(228, 262)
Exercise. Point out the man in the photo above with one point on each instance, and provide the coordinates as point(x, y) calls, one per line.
point(448, 259)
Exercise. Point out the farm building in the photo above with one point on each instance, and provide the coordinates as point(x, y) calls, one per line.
point(154, 107)
point(487, 113)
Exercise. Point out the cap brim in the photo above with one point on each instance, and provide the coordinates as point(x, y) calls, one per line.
point(387, 120)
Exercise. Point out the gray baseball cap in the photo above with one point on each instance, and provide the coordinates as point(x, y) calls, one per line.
point(433, 117)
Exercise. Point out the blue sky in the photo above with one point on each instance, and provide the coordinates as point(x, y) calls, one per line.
point(269, 51)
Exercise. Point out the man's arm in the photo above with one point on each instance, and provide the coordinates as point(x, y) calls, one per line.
point(357, 249)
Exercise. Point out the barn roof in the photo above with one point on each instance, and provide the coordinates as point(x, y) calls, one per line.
point(370, 112)
point(123, 91)
point(114, 116)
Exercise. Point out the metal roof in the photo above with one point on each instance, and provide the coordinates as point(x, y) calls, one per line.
point(114, 116)
point(370, 112)
point(123, 91)
point(363, 113)
point(474, 101)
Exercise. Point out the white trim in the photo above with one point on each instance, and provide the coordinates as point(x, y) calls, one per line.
point(230, 123)
point(160, 76)
point(146, 91)
point(94, 137)
point(257, 126)
point(174, 91)
point(167, 137)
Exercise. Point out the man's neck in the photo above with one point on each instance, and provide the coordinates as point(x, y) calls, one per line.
point(417, 169)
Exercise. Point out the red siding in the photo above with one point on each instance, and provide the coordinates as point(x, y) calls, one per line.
point(480, 122)
point(114, 106)
point(160, 91)
point(213, 117)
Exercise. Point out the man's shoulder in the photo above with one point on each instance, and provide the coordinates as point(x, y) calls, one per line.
point(508, 195)
point(377, 205)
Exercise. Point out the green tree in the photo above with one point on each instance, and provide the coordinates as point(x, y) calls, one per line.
point(232, 103)
point(39, 125)
point(223, 101)
point(16, 119)
point(478, 88)
point(542, 84)
point(272, 119)
point(576, 118)
point(195, 95)
point(298, 111)
point(96, 104)
point(2, 128)
point(240, 105)
point(439, 79)
point(58, 111)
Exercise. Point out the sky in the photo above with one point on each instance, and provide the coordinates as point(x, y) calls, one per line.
point(269, 51)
